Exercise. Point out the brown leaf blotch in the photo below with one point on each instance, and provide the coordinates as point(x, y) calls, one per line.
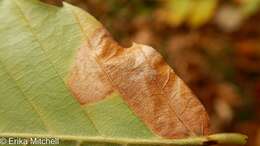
point(147, 84)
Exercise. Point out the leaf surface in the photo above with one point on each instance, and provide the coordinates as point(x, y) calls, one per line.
point(63, 76)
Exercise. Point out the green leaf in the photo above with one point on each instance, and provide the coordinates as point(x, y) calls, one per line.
point(195, 12)
point(201, 12)
point(250, 7)
point(177, 11)
point(62, 76)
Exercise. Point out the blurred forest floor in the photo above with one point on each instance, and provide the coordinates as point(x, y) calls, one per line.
point(213, 45)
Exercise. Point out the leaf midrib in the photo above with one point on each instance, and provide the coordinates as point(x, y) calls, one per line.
point(220, 138)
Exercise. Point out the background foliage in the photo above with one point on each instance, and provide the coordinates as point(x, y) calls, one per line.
point(214, 45)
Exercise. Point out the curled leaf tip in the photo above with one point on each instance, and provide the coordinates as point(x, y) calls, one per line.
point(226, 138)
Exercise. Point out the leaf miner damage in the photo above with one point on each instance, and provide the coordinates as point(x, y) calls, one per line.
point(147, 84)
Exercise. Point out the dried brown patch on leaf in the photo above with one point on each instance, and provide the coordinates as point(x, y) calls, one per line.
point(87, 81)
point(148, 85)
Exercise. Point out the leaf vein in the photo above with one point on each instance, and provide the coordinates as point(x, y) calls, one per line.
point(27, 99)
point(43, 50)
